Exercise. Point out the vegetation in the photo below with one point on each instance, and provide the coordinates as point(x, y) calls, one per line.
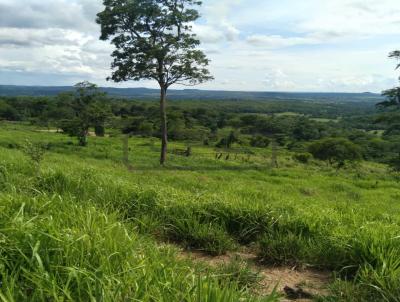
point(88, 109)
point(336, 151)
point(154, 41)
point(345, 222)
point(96, 224)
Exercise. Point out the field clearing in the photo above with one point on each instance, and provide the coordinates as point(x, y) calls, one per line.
point(304, 216)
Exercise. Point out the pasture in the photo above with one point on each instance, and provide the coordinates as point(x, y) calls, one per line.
point(85, 228)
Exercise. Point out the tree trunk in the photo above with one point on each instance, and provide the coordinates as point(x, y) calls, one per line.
point(274, 154)
point(125, 152)
point(164, 129)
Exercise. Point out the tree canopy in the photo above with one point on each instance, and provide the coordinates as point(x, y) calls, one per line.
point(392, 95)
point(153, 40)
point(335, 151)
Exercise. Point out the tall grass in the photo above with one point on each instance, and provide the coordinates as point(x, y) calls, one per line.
point(310, 216)
point(55, 249)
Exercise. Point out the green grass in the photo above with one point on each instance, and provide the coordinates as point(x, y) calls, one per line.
point(86, 203)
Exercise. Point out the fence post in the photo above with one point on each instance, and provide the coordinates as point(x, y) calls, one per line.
point(274, 155)
point(125, 152)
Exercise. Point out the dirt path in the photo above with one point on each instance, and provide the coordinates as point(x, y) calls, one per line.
point(294, 284)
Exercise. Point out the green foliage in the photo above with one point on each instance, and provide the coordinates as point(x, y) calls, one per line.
point(260, 141)
point(303, 157)
point(395, 164)
point(155, 42)
point(393, 98)
point(392, 95)
point(89, 111)
point(35, 152)
point(228, 141)
point(336, 151)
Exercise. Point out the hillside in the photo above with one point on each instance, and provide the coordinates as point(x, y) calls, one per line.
point(193, 94)
point(84, 226)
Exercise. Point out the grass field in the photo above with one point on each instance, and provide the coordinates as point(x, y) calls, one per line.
point(87, 229)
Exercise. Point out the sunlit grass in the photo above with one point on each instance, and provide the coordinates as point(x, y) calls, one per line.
point(86, 202)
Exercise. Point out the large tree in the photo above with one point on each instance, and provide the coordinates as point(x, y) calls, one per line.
point(153, 40)
point(392, 95)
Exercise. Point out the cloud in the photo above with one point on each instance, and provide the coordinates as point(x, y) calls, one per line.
point(40, 14)
point(354, 18)
point(278, 80)
point(28, 37)
point(308, 45)
point(217, 28)
point(277, 41)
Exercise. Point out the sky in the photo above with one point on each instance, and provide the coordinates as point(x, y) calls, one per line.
point(254, 45)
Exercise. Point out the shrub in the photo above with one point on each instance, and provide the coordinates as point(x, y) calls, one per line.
point(3, 177)
point(228, 141)
point(260, 141)
point(336, 151)
point(394, 164)
point(302, 157)
point(35, 151)
point(99, 130)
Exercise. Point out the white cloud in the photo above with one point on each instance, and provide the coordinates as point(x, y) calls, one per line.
point(292, 45)
point(28, 37)
point(278, 80)
point(277, 41)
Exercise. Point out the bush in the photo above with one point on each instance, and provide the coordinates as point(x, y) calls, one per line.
point(395, 164)
point(99, 130)
point(35, 152)
point(302, 157)
point(336, 151)
point(260, 141)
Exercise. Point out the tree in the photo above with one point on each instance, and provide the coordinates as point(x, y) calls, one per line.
point(154, 41)
point(228, 141)
point(392, 95)
point(88, 112)
point(335, 151)
point(260, 141)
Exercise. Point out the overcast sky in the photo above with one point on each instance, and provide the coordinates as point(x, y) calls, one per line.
point(268, 45)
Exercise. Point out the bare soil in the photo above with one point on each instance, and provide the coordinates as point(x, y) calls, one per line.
point(293, 283)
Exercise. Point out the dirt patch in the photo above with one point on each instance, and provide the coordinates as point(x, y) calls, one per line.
point(293, 283)
point(90, 133)
point(50, 131)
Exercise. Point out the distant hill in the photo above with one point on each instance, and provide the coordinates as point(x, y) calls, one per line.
point(195, 94)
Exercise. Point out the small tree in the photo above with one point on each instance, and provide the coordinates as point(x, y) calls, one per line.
point(228, 141)
point(394, 164)
point(35, 152)
point(337, 151)
point(154, 41)
point(87, 110)
point(260, 141)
